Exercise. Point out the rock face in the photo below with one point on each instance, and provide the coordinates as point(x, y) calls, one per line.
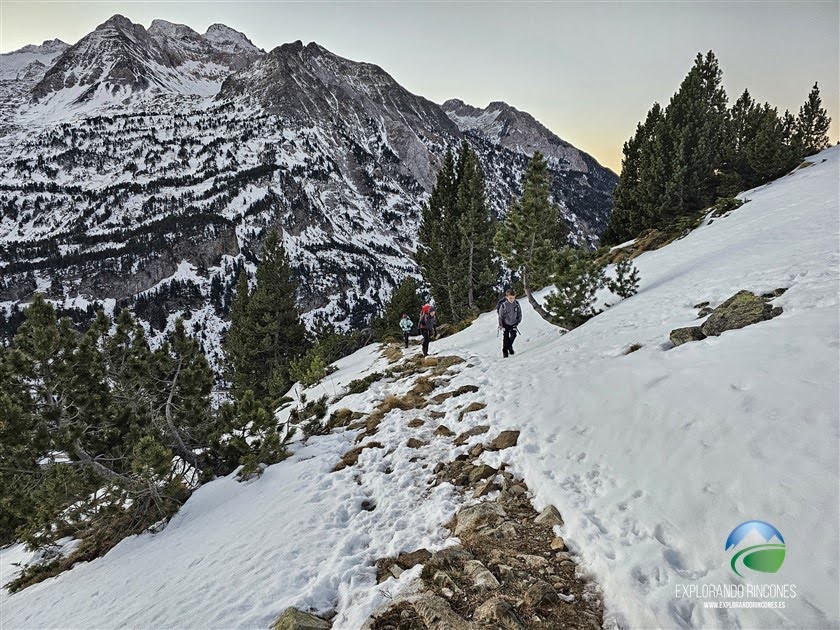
point(167, 156)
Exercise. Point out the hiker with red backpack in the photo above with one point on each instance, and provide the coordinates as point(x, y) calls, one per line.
point(427, 326)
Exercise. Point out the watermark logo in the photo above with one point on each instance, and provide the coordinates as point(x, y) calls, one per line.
point(755, 546)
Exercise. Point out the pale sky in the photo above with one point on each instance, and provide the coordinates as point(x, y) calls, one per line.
point(589, 71)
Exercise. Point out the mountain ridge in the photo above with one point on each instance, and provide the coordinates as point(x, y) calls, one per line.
point(152, 161)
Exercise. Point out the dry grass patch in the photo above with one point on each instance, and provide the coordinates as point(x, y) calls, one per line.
point(393, 353)
point(424, 385)
point(411, 400)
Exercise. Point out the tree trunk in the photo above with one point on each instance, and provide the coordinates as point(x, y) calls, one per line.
point(470, 277)
point(532, 300)
point(181, 448)
point(104, 471)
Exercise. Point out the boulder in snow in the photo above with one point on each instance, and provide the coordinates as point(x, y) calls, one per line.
point(680, 336)
point(505, 439)
point(742, 309)
point(294, 619)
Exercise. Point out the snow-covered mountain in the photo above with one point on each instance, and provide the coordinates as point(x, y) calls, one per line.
point(30, 62)
point(652, 457)
point(120, 58)
point(146, 157)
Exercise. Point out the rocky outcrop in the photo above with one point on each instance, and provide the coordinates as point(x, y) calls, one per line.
point(742, 309)
point(294, 619)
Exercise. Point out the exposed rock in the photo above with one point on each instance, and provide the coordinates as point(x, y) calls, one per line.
point(413, 442)
point(549, 516)
point(442, 579)
point(294, 619)
point(499, 613)
point(505, 439)
point(540, 593)
point(706, 310)
point(352, 456)
point(408, 560)
point(680, 336)
point(417, 422)
point(466, 435)
point(450, 557)
point(532, 561)
point(474, 519)
point(476, 450)
point(558, 544)
point(464, 389)
point(482, 578)
point(444, 431)
point(474, 406)
point(486, 488)
point(480, 472)
point(742, 309)
point(436, 613)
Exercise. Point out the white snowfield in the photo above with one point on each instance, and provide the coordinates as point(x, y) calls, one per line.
point(652, 457)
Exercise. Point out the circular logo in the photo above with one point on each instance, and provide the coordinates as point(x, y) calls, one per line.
point(756, 546)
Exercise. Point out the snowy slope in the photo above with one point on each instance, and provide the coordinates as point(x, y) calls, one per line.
point(652, 457)
point(31, 61)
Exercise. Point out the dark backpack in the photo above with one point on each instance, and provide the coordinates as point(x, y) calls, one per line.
point(424, 321)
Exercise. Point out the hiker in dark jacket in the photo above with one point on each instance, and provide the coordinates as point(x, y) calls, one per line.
point(428, 327)
point(510, 315)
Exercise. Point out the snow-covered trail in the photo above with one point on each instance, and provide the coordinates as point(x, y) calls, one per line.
point(652, 457)
point(237, 554)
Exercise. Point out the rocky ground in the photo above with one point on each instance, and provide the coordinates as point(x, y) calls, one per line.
point(508, 568)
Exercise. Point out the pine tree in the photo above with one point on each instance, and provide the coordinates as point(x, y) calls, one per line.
point(578, 277)
point(405, 299)
point(182, 405)
point(477, 227)
point(523, 238)
point(641, 184)
point(695, 138)
point(438, 250)
point(266, 331)
point(812, 124)
point(236, 343)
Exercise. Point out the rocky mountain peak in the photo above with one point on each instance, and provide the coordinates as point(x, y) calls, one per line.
point(230, 40)
point(121, 59)
point(517, 130)
point(162, 28)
